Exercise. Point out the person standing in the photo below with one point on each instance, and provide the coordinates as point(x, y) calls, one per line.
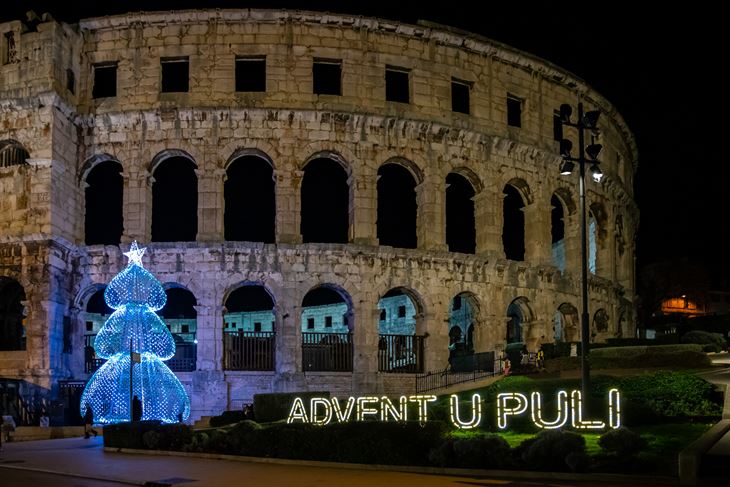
point(89, 422)
point(136, 409)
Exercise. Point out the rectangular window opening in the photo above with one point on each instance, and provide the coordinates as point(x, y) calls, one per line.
point(175, 73)
point(383, 315)
point(328, 321)
point(185, 329)
point(401, 311)
point(71, 81)
point(89, 326)
point(9, 52)
point(257, 326)
point(310, 323)
point(327, 77)
point(514, 111)
point(460, 95)
point(251, 73)
point(105, 80)
point(397, 84)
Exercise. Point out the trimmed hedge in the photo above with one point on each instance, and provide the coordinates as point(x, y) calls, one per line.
point(276, 406)
point(483, 451)
point(710, 342)
point(680, 355)
point(227, 417)
point(554, 450)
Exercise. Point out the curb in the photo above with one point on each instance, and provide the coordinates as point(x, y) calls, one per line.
point(691, 457)
point(455, 472)
point(71, 474)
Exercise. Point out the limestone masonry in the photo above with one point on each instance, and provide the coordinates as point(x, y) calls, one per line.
point(54, 132)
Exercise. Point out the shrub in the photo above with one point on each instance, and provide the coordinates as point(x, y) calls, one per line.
point(549, 450)
point(711, 342)
point(274, 407)
point(622, 442)
point(484, 451)
point(128, 435)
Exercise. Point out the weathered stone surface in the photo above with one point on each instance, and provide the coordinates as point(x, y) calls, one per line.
point(66, 134)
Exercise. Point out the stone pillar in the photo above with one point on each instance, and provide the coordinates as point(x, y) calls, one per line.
point(288, 338)
point(288, 205)
point(210, 204)
point(365, 337)
point(538, 238)
point(487, 218)
point(436, 349)
point(572, 244)
point(431, 225)
point(364, 191)
point(137, 206)
point(209, 334)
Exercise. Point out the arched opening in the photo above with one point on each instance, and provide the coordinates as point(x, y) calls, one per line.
point(557, 232)
point(592, 243)
point(600, 323)
point(397, 207)
point(519, 314)
point(175, 201)
point(250, 202)
point(327, 325)
point(104, 221)
point(94, 316)
point(460, 226)
point(181, 318)
point(463, 312)
point(249, 329)
point(513, 228)
point(565, 323)
point(325, 202)
point(12, 153)
point(12, 315)
point(399, 348)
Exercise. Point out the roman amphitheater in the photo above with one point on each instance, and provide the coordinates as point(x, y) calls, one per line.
point(332, 202)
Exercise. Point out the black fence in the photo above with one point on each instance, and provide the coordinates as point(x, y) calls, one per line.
point(184, 360)
point(467, 368)
point(327, 352)
point(249, 350)
point(400, 354)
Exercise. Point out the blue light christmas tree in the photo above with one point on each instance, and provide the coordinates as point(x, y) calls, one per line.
point(135, 295)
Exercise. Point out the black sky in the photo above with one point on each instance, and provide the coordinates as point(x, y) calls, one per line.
point(661, 65)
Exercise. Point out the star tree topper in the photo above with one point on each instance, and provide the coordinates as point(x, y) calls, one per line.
point(135, 254)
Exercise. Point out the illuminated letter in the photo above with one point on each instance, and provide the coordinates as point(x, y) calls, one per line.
point(576, 406)
point(562, 407)
point(343, 417)
point(387, 409)
point(476, 412)
point(614, 409)
point(422, 401)
point(317, 401)
point(503, 411)
point(297, 413)
point(362, 408)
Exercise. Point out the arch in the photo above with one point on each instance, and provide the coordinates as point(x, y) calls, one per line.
point(94, 313)
point(174, 197)
point(104, 201)
point(166, 154)
point(557, 232)
point(82, 297)
point(566, 197)
point(474, 180)
point(326, 326)
point(325, 202)
point(13, 153)
point(460, 217)
point(397, 206)
point(91, 162)
point(328, 154)
point(249, 152)
point(600, 322)
point(523, 189)
point(249, 326)
point(464, 313)
point(250, 198)
point(400, 312)
point(519, 312)
point(181, 317)
point(513, 224)
point(411, 166)
point(566, 323)
point(12, 315)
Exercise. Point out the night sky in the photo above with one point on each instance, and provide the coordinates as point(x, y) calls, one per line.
point(660, 67)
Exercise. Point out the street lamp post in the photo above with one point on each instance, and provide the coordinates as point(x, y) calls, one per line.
point(586, 121)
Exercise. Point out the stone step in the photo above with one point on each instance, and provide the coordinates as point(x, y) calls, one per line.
point(202, 422)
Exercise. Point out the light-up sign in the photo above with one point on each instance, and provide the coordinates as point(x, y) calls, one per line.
point(568, 410)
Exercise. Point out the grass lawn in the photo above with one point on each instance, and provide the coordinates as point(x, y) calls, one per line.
point(665, 441)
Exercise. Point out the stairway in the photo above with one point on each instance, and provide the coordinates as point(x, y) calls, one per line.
point(202, 423)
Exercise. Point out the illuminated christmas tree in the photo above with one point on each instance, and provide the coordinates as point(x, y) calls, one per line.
point(135, 334)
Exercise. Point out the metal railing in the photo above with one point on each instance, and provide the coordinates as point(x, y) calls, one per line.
point(184, 360)
point(400, 354)
point(468, 368)
point(327, 352)
point(249, 350)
